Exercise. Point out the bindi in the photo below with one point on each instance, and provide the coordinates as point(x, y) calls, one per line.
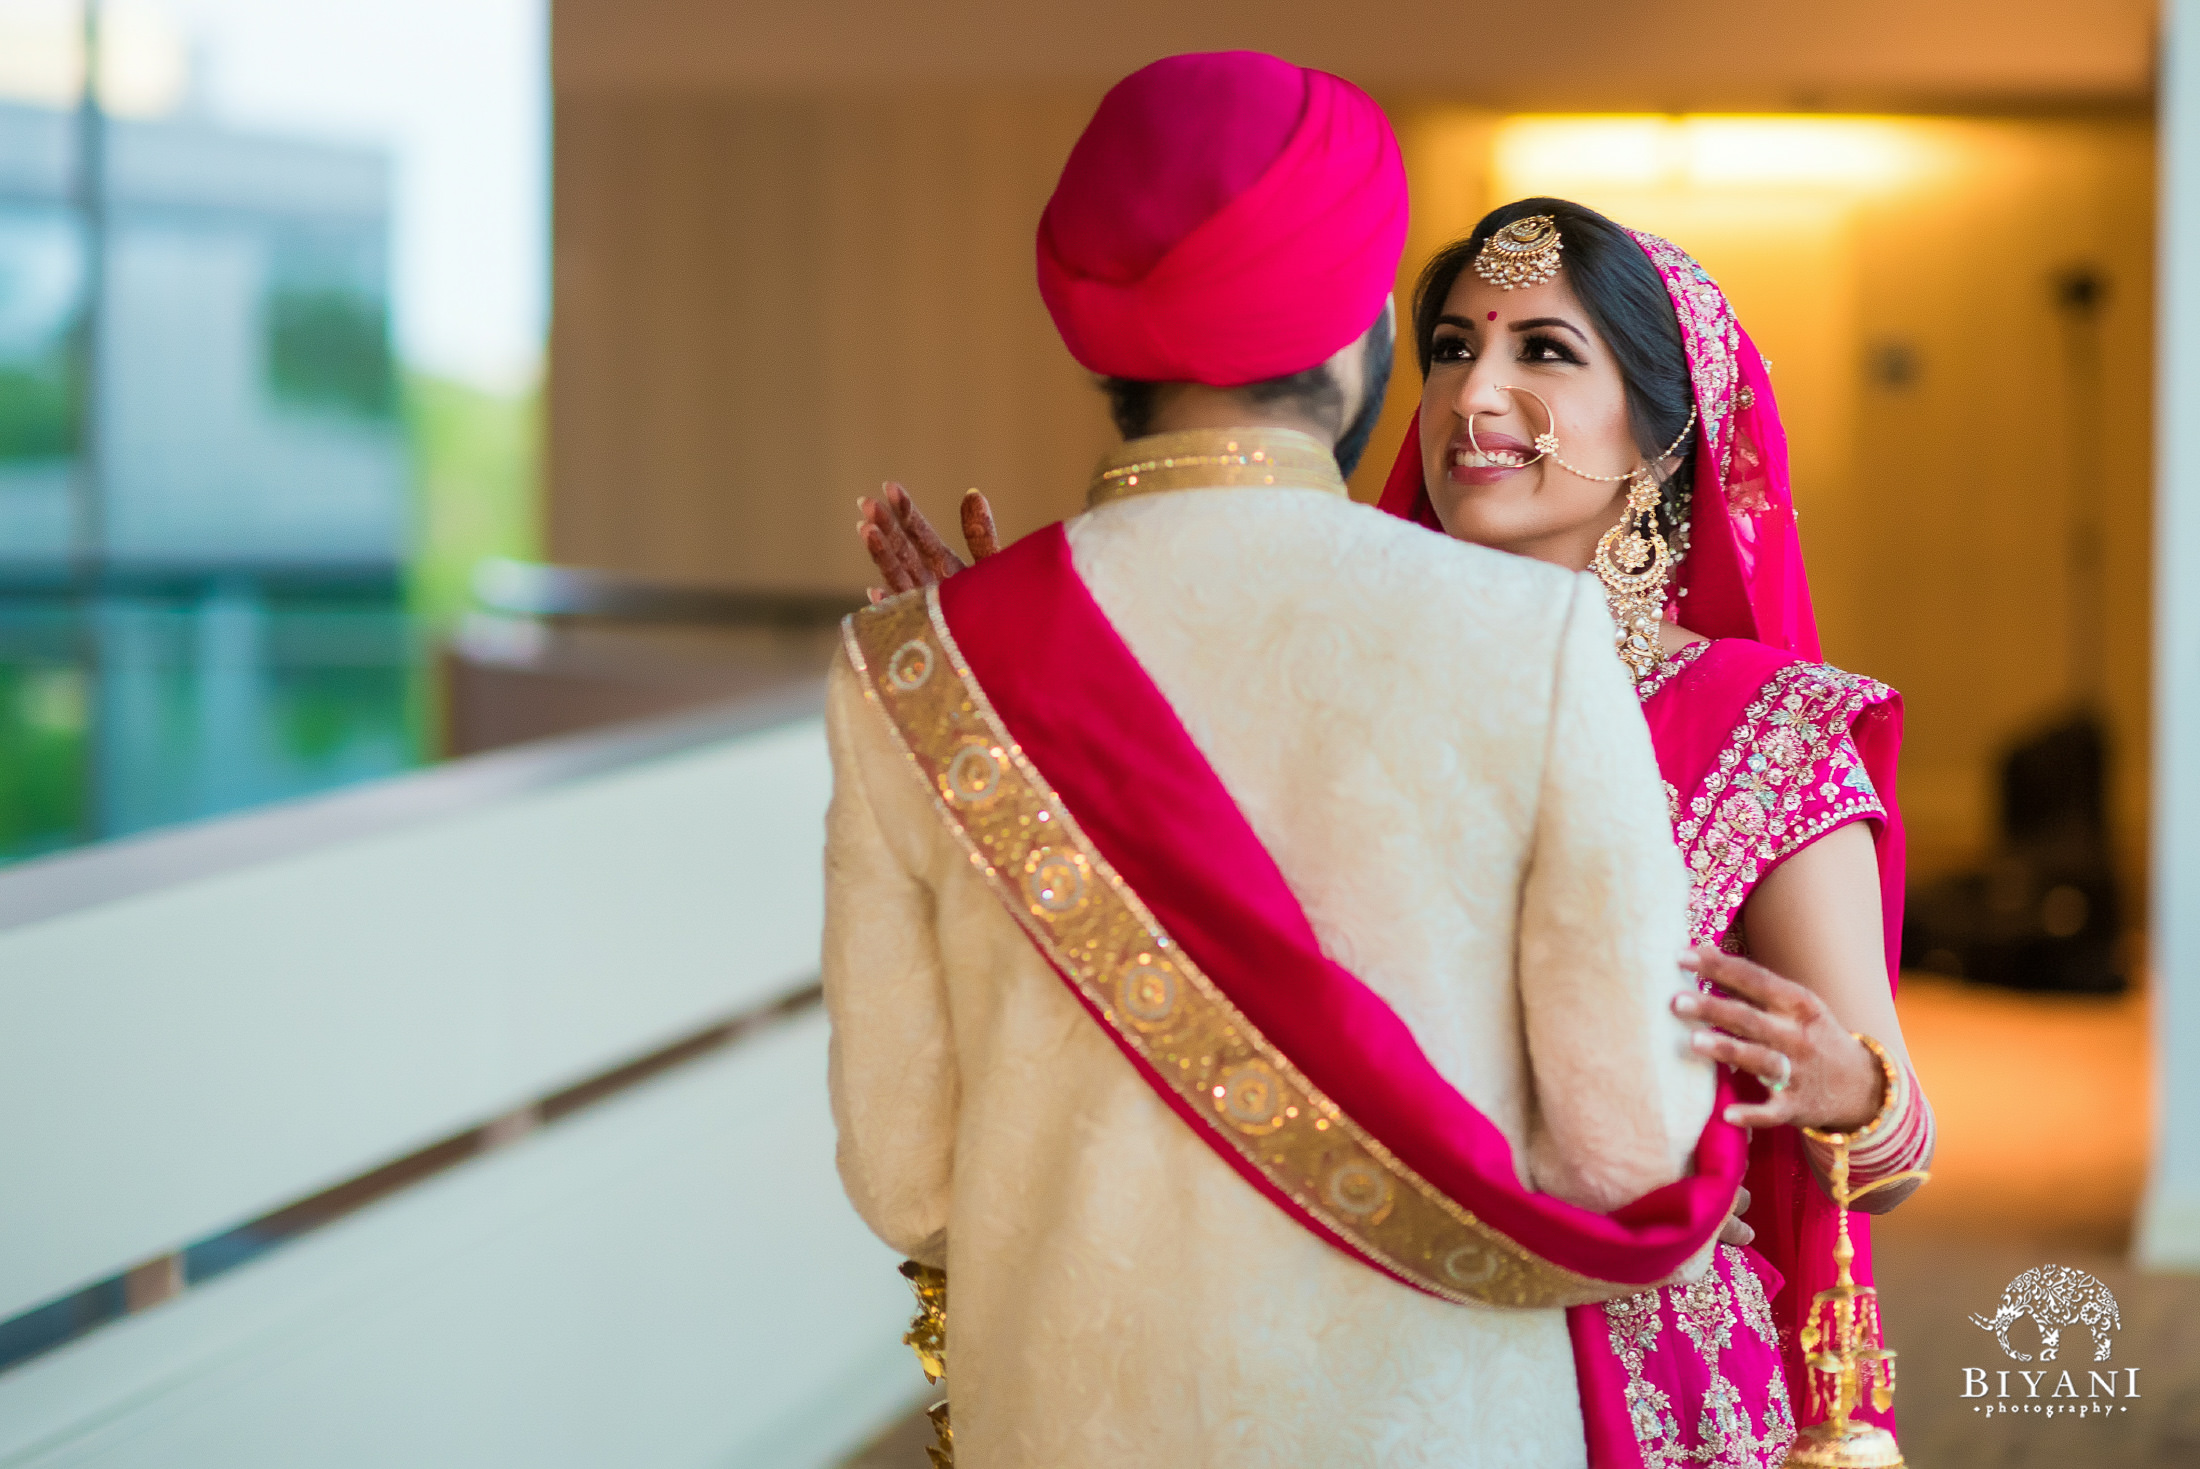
point(1493, 316)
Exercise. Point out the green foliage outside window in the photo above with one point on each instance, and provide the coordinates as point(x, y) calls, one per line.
point(42, 755)
point(37, 410)
point(329, 347)
point(475, 461)
point(475, 496)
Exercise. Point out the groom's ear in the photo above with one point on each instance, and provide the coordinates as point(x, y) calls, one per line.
point(1364, 388)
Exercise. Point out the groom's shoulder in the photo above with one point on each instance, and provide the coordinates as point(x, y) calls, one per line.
point(1311, 557)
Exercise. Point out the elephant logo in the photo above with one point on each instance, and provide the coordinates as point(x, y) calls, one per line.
point(2054, 1296)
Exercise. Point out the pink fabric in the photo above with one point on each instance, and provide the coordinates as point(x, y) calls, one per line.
point(1692, 716)
point(1169, 147)
point(1405, 492)
point(1121, 762)
point(1745, 584)
point(1717, 1401)
point(1226, 217)
point(1744, 573)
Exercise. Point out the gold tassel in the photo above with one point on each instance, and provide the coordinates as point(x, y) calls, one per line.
point(1842, 1345)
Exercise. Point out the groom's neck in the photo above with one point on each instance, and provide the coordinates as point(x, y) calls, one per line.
point(1181, 406)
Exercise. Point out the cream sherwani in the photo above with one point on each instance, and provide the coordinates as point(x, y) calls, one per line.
point(1439, 748)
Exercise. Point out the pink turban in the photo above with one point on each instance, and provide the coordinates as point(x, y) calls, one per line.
point(1226, 217)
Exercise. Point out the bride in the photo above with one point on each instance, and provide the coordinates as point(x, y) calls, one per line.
point(1589, 400)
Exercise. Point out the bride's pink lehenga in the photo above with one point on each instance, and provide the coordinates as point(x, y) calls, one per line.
point(1763, 750)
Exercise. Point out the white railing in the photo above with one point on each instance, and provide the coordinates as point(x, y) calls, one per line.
point(203, 1027)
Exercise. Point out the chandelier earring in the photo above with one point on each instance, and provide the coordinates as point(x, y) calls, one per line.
point(1633, 559)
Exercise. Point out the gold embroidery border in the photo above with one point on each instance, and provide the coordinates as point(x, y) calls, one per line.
point(1668, 669)
point(1095, 930)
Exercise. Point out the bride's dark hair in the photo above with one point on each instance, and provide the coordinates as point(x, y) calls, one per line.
point(1628, 305)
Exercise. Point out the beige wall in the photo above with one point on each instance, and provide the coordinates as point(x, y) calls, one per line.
point(1652, 54)
point(793, 243)
point(765, 306)
point(1947, 528)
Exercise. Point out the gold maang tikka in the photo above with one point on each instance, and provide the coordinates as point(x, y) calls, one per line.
point(1523, 253)
point(1633, 559)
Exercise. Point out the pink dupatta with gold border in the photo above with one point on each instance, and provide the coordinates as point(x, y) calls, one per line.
point(1117, 849)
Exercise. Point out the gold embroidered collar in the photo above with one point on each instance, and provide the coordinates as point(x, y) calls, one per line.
point(1215, 459)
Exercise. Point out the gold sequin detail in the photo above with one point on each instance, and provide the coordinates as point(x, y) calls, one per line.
point(1215, 459)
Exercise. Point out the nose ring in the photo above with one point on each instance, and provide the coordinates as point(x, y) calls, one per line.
point(1546, 443)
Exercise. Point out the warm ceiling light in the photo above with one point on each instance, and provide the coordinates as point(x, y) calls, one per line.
point(1542, 153)
point(1554, 154)
point(1855, 151)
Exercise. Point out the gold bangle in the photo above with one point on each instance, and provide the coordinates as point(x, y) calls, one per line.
point(1890, 1098)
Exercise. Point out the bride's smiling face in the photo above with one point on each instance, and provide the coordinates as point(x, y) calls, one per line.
point(1538, 338)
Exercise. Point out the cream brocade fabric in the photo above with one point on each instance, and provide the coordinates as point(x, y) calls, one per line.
point(1405, 721)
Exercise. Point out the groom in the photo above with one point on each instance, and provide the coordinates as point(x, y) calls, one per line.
point(1251, 919)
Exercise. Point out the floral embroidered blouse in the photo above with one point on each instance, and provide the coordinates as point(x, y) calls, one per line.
point(1754, 771)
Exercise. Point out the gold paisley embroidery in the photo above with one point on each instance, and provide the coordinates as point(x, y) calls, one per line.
point(1705, 1310)
point(1756, 1311)
point(1634, 1325)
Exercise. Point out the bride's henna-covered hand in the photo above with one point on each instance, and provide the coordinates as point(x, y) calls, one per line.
point(888, 547)
point(977, 519)
point(906, 550)
point(1755, 1019)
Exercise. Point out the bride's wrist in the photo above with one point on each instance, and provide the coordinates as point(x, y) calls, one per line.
point(1870, 1086)
point(1898, 1138)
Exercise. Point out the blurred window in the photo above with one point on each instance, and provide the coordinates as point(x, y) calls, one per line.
point(40, 283)
point(271, 316)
